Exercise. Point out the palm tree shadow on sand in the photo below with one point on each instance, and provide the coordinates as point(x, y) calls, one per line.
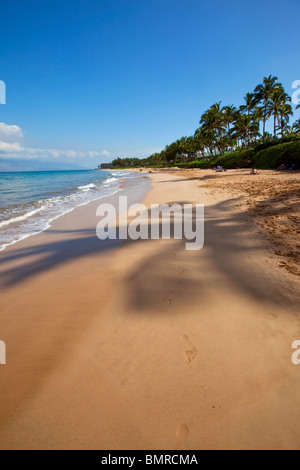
point(227, 250)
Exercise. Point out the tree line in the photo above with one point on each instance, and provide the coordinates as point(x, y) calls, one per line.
point(225, 129)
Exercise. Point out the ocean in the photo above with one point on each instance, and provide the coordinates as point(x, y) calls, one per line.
point(29, 201)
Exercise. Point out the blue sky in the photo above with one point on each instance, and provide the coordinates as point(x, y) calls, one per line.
point(88, 80)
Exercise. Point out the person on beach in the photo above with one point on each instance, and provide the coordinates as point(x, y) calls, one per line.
point(282, 167)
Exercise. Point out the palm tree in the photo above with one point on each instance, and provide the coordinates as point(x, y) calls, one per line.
point(205, 140)
point(278, 106)
point(285, 112)
point(200, 142)
point(212, 120)
point(228, 114)
point(245, 128)
point(296, 127)
point(263, 93)
point(288, 131)
point(213, 124)
point(249, 105)
point(257, 114)
point(223, 144)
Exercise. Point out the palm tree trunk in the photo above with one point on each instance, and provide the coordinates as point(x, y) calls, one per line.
point(279, 125)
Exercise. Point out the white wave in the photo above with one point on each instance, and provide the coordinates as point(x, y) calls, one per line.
point(120, 173)
point(49, 204)
point(46, 223)
point(110, 180)
point(21, 217)
point(87, 187)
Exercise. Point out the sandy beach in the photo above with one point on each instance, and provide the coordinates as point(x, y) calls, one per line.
point(144, 345)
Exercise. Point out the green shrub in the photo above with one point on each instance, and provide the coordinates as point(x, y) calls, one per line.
point(274, 142)
point(238, 159)
point(196, 164)
point(273, 157)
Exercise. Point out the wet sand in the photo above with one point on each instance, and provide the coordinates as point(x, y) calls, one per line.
point(144, 345)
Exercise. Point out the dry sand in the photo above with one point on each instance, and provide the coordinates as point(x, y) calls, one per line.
point(149, 346)
point(272, 200)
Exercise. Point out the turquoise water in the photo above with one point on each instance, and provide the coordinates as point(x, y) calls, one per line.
point(29, 201)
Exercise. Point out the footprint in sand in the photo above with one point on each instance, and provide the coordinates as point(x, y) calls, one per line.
point(191, 353)
point(166, 301)
point(181, 436)
point(180, 271)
